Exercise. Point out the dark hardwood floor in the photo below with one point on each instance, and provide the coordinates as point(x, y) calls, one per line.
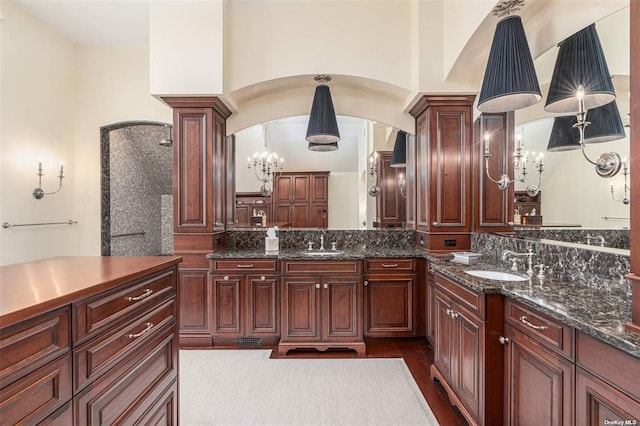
point(418, 356)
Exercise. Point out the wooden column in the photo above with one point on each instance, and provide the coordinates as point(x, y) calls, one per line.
point(634, 101)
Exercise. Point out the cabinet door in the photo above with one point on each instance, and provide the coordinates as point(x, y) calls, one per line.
point(431, 305)
point(469, 360)
point(443, 335)
point(342, 308)
point(301, 188)
point(389, 306)
point(539, 383)
point(263, 294)
point(597, 402)
point(319, 216)
point(227, 305)
point(283, 189)
point(320, 188)
point(282, 213)
point(242, 215)
point(220, 173)
point(391, 205)
point(301, 309)
point(300, 215)
point(194, 307)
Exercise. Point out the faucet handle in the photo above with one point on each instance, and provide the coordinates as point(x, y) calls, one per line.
point(541, 267)
point(333, 245)
point(310, 245)
point(514, 264)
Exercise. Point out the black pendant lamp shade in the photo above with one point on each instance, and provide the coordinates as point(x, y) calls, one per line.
point(606, 126)
point(399, 156)
point(580, 62)
point(323, 147)
point(323, 127)
point(510, 81)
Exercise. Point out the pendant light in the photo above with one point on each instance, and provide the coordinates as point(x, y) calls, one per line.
point(580, 62)
point(399, 156)
point(323, 147)
point(510, 80)
point(323, 126)
point(605, 126)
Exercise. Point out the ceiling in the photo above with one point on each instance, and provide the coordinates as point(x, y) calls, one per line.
point(94, 21)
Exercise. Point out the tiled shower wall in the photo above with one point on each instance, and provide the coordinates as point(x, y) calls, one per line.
point(140, 176)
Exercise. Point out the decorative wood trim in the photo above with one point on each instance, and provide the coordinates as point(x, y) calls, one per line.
point(634, 107)
point(198, 102)
point(440, 100)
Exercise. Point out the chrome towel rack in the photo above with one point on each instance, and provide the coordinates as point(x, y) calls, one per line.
point(615, 218)
point(6, 225)
point(129, 234)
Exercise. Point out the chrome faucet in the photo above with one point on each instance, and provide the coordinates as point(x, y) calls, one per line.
point(507, 253)
point(321, 242)
point(598, 238)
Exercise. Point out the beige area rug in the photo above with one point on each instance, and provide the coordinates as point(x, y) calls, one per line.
point(245, 387)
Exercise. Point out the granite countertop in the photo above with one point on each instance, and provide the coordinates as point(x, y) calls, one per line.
point(596, 312)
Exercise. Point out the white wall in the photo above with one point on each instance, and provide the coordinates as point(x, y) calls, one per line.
point(37, 105)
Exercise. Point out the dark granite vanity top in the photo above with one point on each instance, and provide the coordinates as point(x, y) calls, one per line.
point(596, 312)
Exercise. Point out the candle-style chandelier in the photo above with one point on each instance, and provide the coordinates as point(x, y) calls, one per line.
point(265, 166)
point(520, 161)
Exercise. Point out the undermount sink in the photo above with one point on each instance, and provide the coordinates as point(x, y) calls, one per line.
point(324, 253)
point(496, 275)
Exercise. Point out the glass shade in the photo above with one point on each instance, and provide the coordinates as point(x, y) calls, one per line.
point(580, 62)
point(323, 126)
point(510, 81)
point(323, 147)
point(399, 156)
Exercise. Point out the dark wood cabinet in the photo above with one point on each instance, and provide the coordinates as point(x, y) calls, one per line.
point(493, 208)
point(322, 306)
point(195, 315)
point(301, 198)
point(443, 171)
point(246, 203)
point(390, 298)
point(245, 299)
point(430, 301)
point(391, 206)
point(467, 354)
point(526, 204)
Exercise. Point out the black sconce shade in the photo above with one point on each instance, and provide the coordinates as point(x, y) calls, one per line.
point(580, 62)
point(323, 147)
point(399, 156)
point(606, 125)
point(323, 127)
point(510, 81)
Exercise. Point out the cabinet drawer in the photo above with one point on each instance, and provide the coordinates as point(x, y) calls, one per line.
point(541, 328)
point(34, 397)
point(390, 265)
point(244, 265)
point(95, 357)
point(473, 302)
point(126, 391)
point(97, 313)
point(31, 344)
point(326, 266)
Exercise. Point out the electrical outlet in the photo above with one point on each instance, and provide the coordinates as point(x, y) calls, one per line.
point(449, 243)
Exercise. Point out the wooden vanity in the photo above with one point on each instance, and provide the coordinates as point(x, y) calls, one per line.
point(89, 340)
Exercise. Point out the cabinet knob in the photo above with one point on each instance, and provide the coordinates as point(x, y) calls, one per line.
point(449, 312)
point(510, 223)
point(454, 314)
point(317, 285)
point(262, 278)
point(503, 340)
point(218, 224)
point(326, 285)
point(226, 277)
point(436, 224)
point(366, 283)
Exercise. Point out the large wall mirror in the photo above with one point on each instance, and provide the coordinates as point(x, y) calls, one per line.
point(349, 204)
point(573, 198)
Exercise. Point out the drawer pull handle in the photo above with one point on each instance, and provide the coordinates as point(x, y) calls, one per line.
point(148, 292)
point(389, 265)
point(523, 319)
point(250, 265)
point(148, 327)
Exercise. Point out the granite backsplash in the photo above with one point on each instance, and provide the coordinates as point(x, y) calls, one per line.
point(614, 238)
point(594, 268)
point(344, 239)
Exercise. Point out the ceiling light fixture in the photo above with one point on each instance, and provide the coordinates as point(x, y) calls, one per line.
point(265, 166)
point(399, 156)
point(510, 80)
point(323, 147)
point(323, 126)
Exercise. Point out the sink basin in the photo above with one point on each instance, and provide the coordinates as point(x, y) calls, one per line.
point(496, 275)
point(324, 253)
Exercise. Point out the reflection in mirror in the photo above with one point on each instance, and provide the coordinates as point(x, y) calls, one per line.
point(347, 204)
point(574, 202)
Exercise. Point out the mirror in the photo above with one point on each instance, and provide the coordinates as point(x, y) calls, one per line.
point(576, 203)
point(349, 206)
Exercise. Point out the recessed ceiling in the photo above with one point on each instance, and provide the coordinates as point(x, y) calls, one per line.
point(94, 21)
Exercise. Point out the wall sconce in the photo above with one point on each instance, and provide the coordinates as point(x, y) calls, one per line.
point(403, 185)
point(374, 189)
point(520, 161)
point(39, 193)
point(627, 189)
